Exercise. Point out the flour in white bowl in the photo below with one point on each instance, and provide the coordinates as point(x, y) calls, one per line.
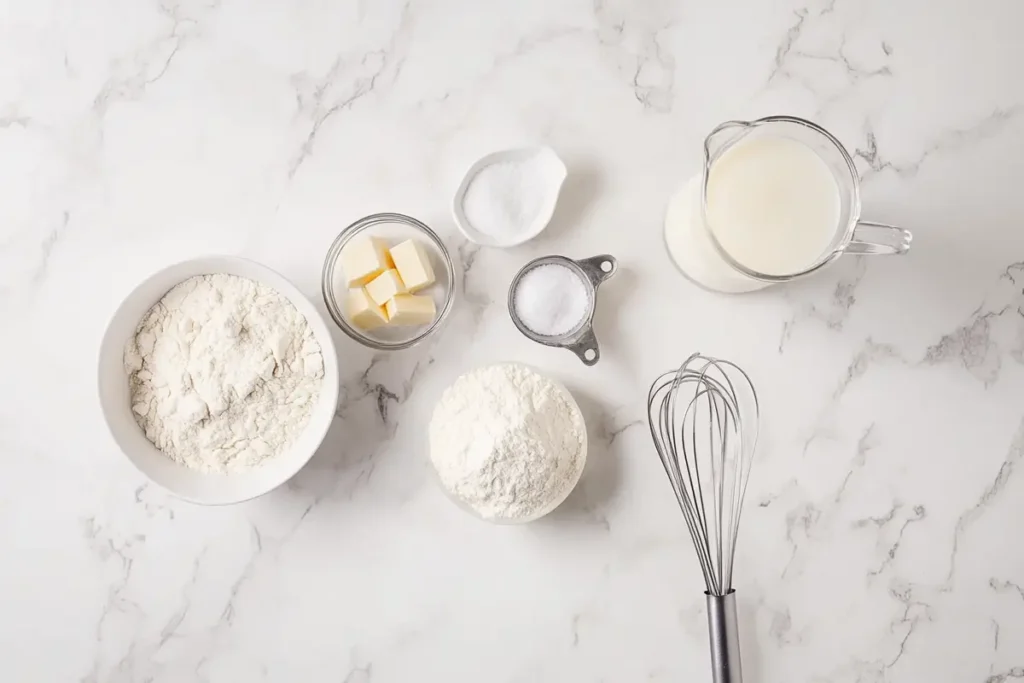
point(507, 442)
point(224, 373)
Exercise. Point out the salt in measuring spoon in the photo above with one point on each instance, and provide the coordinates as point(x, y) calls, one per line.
point(580, 340)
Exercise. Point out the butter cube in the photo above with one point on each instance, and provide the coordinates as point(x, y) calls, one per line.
point(409, 309)
point(385, 286)
point(364, 258)
point(413, 265)
point(363, 312)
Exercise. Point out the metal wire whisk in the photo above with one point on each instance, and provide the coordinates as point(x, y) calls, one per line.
point(704, 421)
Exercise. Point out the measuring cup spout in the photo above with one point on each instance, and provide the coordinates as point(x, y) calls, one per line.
point(720, 138)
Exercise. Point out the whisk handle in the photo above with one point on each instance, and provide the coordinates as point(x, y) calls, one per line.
point(725, 638)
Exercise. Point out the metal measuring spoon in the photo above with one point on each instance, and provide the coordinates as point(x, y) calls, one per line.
point(580, 340)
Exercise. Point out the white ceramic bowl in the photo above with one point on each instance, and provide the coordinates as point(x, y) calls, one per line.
point(192, 485)
point(550, 171)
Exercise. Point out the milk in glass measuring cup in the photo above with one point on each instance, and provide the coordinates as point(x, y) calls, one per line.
point(778, 199)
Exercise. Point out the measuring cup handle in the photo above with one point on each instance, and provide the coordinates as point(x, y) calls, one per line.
point(586, 349)
point(599, 268)
point(879, 238)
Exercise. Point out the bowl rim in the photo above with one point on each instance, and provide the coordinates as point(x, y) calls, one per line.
point(331, 262)
point(286, 288)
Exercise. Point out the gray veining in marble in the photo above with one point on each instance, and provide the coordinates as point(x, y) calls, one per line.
point(881, 537)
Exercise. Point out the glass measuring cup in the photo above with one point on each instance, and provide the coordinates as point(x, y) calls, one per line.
point(850, 235)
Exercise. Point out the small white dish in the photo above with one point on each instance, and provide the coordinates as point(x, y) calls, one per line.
point(203, 487)
point(552, 171)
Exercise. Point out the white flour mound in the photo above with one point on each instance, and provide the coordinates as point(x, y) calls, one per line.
point(224, 373)
point(507, 442)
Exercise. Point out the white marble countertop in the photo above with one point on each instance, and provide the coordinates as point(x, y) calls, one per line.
point(881, 540)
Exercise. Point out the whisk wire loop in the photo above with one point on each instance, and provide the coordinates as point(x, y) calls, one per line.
point(703, 419)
